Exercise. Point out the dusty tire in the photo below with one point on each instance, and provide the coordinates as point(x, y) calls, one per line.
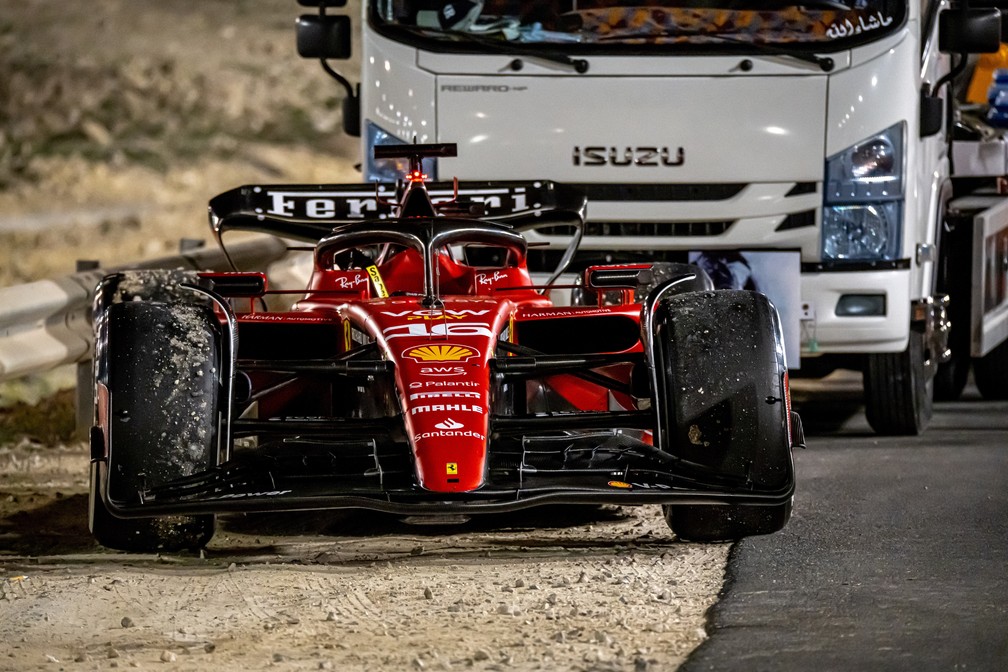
point(721, 369)
point(898, 393)
point(160, 361)
point(144, 535)
point(991, 373)
point(712, 524)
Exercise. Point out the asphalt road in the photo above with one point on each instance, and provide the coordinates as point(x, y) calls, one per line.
point(896, 557)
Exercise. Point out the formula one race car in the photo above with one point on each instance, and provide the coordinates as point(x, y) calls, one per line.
point(423, 373)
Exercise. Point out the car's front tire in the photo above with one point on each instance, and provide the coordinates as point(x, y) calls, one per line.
point(715, 523)
point(720, 369)
point(143, 535)
point(159, 363)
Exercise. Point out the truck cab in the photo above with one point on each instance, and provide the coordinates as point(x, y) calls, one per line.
point(799, 149)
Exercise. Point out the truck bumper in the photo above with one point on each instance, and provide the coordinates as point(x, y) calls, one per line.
point(824, 331)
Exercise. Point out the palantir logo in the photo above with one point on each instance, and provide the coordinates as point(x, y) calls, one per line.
point(449, 424)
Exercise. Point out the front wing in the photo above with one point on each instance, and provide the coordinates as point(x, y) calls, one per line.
point(530, 464)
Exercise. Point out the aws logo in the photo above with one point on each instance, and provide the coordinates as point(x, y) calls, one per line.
point(440, 353)
point(436, 370)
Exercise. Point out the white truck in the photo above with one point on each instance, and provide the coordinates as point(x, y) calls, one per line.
point(809, 145)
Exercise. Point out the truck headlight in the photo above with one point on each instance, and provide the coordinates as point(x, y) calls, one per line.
point(861, 232)
point(863, 202)
point(388, 170)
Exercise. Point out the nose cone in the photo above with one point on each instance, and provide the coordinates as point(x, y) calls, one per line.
point(447, 420)
point(451, 455)
point(442, 362)
point(446, 412)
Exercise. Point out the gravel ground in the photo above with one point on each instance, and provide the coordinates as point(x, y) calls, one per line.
point(589, 588)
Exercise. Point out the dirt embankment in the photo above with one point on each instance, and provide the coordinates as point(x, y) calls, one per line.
point(119, 119)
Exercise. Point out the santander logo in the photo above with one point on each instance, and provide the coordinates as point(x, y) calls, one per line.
point(449, 424)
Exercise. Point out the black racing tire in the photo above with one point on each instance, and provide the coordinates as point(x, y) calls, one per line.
point(161, 366)
point(990, 373)
point(169, 534)
point(717, 523)
point(721, 369)
point(898, 393)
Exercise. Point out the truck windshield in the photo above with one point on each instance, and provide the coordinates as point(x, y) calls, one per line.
point(618, 27)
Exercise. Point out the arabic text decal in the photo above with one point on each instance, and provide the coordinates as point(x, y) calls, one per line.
point(848, 28)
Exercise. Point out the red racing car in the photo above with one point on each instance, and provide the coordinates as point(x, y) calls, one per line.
point(423, 373)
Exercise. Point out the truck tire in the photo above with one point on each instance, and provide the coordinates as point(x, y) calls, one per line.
point(897, 390)
point(161, 366)
point(991, 373)
point(721, 369)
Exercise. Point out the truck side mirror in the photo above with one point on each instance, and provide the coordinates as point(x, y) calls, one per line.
point(969, 31)
point(1000, 4)
point(323, 36)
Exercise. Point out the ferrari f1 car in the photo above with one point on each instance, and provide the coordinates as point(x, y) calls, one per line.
point(423, 373)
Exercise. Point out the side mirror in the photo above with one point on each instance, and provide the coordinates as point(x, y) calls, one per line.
point(324, 36)
point(999, 4)
point(969, 31)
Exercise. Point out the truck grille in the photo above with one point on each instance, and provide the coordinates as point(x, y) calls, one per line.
point(594, 228)
point(795, 220)
point(659, 192)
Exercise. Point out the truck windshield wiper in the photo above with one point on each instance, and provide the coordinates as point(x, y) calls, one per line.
point(813, 4)
point(579, 65)
point(825, 63)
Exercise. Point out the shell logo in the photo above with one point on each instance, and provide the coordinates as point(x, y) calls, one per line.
point(440, 353)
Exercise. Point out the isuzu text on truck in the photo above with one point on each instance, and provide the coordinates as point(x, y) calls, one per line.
point(804, 150)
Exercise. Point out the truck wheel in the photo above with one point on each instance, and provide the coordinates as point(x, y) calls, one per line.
point(991, 373)
point(721, 370)
point(160, 361)
point(898, 391)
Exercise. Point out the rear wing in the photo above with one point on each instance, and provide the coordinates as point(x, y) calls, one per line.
point(311, 212)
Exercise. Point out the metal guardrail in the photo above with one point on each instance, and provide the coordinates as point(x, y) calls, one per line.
point(47, 323)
